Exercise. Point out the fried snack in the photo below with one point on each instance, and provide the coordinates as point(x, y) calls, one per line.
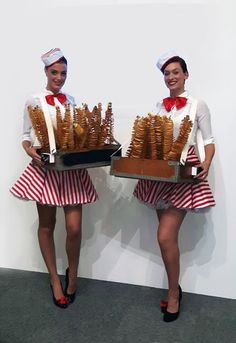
point(39, 125)
point(181, 140)
point(94, 129)
point(106, 131)
point(66, 128)
point(139, 141)
point(109, 123)
point(159, 136)
point(151, 138)
point(58, 131)
point(167, 136)
point(76, 116)
point(78, 130)
point(103, 134)
point(130, 148)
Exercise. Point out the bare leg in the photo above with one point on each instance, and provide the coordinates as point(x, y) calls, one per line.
point(73, 218)
point(170, 221)
point(47, 221)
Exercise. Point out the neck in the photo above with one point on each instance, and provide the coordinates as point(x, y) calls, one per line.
point(52, 90)
point(174, 93)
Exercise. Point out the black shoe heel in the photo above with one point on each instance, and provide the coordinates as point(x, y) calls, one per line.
point(70, 297)
point(163, 305)
point(170, 317)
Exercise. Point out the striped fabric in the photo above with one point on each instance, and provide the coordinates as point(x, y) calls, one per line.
point(179, 195)
point(55, 188)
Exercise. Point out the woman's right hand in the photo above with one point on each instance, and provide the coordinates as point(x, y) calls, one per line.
point(31, 151)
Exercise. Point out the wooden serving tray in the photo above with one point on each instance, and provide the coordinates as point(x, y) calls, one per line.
point(157, 170)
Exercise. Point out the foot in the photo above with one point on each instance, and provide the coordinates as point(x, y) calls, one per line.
point(173, 307)
point(56, 287)
point(70, 287)
point(72, 284)
point(173, 301)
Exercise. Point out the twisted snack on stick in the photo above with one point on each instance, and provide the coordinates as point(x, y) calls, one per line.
point(39, 125)
point(130, 148)
point(167, 136)
point(181, 140)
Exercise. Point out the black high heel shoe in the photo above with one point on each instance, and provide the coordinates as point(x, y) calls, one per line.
point(70, 297)
point(62, 302)
point(170, 317)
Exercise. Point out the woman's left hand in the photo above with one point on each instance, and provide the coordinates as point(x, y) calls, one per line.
point(205, 169)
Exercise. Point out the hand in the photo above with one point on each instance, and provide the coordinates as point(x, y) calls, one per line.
point(205, 169)
point(31, 151)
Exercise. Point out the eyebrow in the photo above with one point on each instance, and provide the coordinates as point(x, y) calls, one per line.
point(169, 71)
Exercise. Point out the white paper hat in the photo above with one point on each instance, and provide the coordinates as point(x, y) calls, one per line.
point(164, 58)
point(52, 56)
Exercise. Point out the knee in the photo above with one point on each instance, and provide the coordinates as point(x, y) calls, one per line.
point(165, 241)
point(73, 231)
point(47, 227)
point(45, 231)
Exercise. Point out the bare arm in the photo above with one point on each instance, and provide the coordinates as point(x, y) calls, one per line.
point(205, 165)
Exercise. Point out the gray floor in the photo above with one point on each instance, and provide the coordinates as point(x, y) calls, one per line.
point(106, 312)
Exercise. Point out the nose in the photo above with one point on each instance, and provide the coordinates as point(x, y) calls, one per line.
point(59, 77)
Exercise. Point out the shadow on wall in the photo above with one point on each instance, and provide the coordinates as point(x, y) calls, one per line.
point(119, 216)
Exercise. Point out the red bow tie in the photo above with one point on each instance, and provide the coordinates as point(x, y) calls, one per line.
point(178, 101)
point(60, 97)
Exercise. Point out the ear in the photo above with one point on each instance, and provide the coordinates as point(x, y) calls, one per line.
point(186, 75)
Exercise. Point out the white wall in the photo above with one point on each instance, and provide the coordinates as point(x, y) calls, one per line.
point(112, 48)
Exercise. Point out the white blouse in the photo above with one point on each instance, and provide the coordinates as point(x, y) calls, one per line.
point(202, 119)
point(33, 101)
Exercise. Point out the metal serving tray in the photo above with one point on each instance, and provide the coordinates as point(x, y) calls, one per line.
point(97, 157)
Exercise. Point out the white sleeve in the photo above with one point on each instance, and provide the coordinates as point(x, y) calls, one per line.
point(204, 122)
point(27, 125)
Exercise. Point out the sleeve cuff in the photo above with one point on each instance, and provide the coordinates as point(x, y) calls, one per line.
point(209, 141)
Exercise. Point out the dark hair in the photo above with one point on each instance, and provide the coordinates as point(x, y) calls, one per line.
point(178, 59)
point(61, 60)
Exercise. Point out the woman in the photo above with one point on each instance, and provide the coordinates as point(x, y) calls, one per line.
point(51, 188)
point(172, 201)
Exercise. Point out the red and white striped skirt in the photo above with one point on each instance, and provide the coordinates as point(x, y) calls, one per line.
point(179, 195)
point(53, 187)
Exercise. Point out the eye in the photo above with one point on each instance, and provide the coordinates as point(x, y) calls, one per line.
point(53, 72)
point(63, 73)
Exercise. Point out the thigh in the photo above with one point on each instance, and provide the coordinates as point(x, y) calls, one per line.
point(73, 215)
point(47, 215)
point(170, 221)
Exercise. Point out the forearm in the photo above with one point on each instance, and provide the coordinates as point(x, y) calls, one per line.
point(26, 145)
point(209, 153)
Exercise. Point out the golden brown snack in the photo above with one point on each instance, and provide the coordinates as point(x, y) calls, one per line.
point(181, 140)
point(39, 125)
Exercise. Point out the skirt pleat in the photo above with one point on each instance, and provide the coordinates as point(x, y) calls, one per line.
point(178, 195)
point(53, 187)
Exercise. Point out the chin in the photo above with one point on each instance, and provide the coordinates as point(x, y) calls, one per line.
point(57, 89)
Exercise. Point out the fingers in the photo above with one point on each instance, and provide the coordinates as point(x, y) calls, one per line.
point(202, 175)
point(35, 156)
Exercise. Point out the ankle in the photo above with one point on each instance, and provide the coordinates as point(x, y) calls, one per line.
point(54, 279)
